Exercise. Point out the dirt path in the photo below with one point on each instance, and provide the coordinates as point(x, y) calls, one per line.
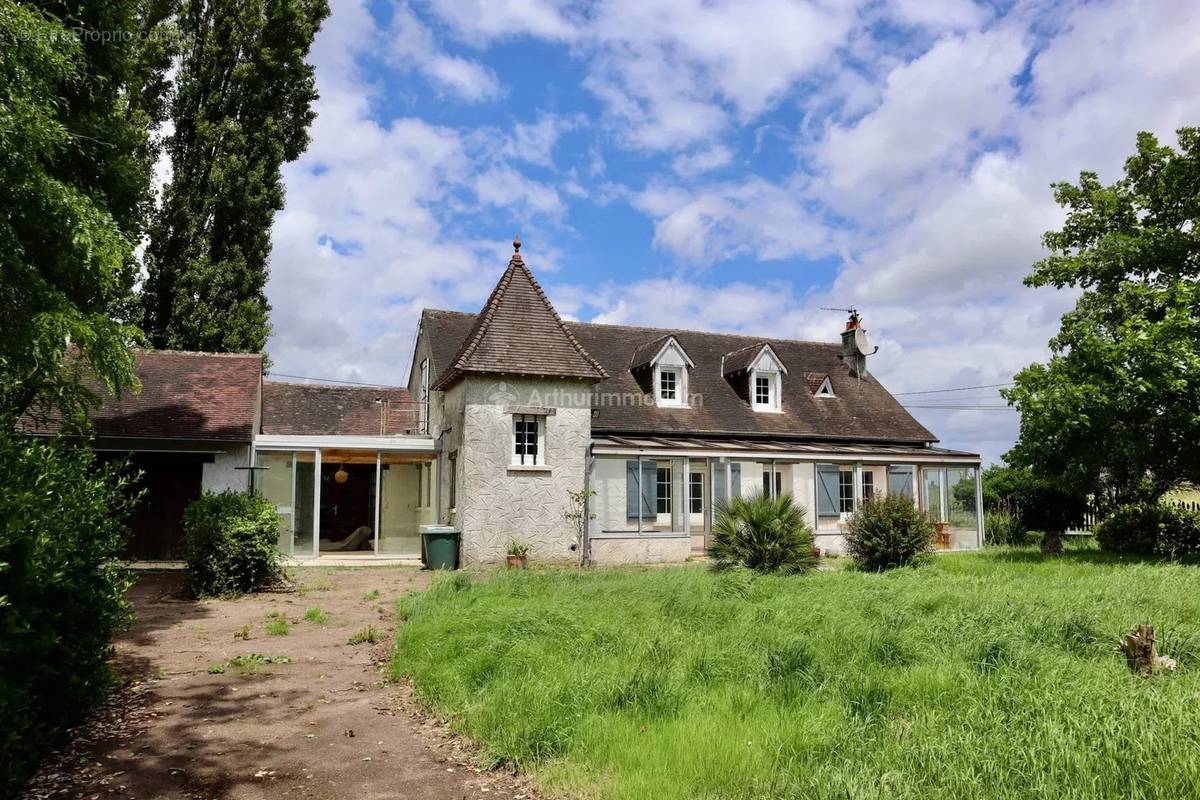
point(321, 724)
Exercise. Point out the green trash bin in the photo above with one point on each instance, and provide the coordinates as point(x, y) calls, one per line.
point(440, 546)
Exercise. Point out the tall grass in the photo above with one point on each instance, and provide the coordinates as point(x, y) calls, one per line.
point(981, 675)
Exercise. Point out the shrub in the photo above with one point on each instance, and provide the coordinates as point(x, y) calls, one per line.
point(230, 544)
point(1151, 529)
point(1000, 528)
point(762, 533)
point(888, 532)
point(62, 591)
point(1180, 539)
point(1132, 528)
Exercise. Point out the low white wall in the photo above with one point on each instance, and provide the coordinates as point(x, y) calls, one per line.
point(641, 550)
point(223, 474)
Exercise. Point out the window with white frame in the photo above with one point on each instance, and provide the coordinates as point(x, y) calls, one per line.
point(846, 491)
point(423, 407)
point(529, 439)
point(762, 390)
point(766, 391)
point(663, 490)
point(669, 371)
point(668, 385)
point(696, 493)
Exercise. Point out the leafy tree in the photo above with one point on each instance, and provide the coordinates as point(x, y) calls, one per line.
point(242, 109)
point(80, 90)
point(1114, 411)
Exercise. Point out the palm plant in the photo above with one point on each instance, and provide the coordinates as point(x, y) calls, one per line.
point(763, 533)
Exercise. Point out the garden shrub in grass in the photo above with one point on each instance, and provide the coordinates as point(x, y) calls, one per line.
point(763, 533)
point(62, 592)
point(888, 532)
point(230, 544)
point(1151, 529)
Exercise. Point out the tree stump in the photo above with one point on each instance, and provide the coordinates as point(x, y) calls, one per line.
point(1052, 544)
point(1141, 653)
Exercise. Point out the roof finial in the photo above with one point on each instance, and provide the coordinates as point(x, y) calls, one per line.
point(517, 243)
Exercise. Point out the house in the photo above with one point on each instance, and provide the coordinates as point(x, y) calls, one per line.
point(509, 410)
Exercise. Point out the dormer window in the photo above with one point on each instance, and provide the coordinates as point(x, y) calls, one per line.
point(825, 389)
point(664, 362)
point(762, 390)
point(668, 385)
point(766, 380)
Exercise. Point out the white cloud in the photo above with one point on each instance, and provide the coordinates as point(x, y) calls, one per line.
point(413, 46)
point(504, 187)
point(720, 221)
point(936, 111)
point(689, 165)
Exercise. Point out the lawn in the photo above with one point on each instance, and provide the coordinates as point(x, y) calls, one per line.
point(979, 675)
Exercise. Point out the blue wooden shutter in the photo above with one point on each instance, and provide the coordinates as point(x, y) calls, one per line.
point(828, 491)
point(649, 490)
point(631, 489)
point(719, 484)
point(735, 479)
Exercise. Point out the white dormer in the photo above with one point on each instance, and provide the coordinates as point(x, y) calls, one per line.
point(669, 367)
point(766, 381)
point(825, 389)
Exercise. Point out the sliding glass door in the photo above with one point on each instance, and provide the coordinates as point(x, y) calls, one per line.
point(288, 478)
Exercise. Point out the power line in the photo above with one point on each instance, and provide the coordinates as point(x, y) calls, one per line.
point(957, 389)
point(331, 380)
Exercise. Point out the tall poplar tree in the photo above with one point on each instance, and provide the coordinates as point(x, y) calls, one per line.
point(242, 108)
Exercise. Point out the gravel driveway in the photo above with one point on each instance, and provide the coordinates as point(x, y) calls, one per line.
point(218, 707)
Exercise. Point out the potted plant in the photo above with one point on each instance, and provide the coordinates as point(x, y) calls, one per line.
point(518, 555)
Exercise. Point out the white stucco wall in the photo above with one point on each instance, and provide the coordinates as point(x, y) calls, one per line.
point(223, 474)
point(498, 503)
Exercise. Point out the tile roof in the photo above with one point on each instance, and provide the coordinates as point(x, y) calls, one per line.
point(861, 410)
point(306, 409)
point(185, 395)
point(518, 332)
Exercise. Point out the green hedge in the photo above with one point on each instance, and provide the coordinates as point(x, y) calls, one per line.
point(62, 592)
point(231, 544)
point(1151, 529)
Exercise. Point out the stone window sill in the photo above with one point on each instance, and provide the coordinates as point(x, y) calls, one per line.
point(530, 468)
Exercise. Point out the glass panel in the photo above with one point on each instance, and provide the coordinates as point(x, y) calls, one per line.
point(405, 503)
point(963, 517)
point(305, 488)
point(679, 511)
point(931, 493)
point(615, 482)
point(698, 500)
point(274, 481)
point(900, 481)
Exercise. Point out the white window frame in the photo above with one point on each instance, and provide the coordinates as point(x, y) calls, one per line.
point(773, 403)
point(675, 375)
point(825, 389)
point(423, 409)
point(681, 382)
point(523, 459)
point(679, 370)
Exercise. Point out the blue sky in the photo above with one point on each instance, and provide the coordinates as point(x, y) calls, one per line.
point(717, 165)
